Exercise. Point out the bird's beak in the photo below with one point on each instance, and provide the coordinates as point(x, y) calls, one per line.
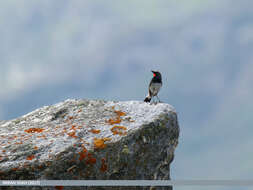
point(153, 71)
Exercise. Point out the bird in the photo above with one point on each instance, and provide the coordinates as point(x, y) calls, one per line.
point(154, 86)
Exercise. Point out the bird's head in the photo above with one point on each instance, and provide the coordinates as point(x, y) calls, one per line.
point(156, 74)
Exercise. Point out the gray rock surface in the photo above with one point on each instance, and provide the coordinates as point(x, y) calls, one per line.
point(90, 139)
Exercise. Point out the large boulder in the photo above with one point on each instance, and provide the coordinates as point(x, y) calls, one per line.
point(90, 139)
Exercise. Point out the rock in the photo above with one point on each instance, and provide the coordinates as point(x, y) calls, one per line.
point(90, 139)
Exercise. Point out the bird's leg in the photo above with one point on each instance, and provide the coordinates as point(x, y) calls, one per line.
point(158, 99)
point(153, 100)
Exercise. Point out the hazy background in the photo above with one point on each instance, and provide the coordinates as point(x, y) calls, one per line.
point(54, 50)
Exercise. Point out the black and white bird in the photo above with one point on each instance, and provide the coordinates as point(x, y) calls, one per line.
point(154, 86)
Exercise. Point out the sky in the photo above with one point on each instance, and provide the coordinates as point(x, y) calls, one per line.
point(54, 50)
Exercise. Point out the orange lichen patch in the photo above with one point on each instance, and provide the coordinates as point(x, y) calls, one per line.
point(114, 121)
point(70, 117)
point(73, 127)
point(30, 157)
point(117, 120)
point(95, 131)
point(99, 143)
point(120, 113)
point(82, 154)
point(18, 142)
point(3, 150)
point(91, 160)
point(89, 155)
point(103, 167)
point(14, 169)
point(72, 134)
point(59, 187)
point(107, 139)
point(42, 136)
point(34, 130)
point(118, 130)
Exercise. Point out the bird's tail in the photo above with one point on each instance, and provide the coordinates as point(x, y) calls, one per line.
point(148, 98)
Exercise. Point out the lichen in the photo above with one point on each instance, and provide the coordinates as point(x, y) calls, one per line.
point(94, 131)
point(103, 167)
point(118, 130)
point(31, 157)
point(99, 143)
point(83, 146)
point(34, 130)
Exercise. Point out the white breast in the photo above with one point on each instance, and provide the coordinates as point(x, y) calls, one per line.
point(154, 88)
